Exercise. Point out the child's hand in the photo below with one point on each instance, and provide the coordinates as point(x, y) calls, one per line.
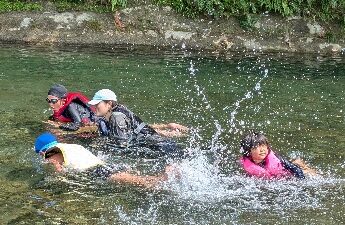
point(52, 123)
point(306, 169)
point(172, 170)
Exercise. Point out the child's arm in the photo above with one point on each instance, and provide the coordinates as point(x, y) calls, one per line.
point(293, 168)
point(306, 169)
point(170, 129)
point(145, 181)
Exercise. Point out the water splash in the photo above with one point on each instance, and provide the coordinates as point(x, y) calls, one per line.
point(256, 90)
point(206, 106)
point(201, 190)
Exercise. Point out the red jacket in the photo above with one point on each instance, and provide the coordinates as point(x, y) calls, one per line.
point(71, 97)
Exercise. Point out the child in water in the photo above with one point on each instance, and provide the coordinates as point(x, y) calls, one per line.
point(72, 157)
point(69, 108)
point(259, 160)
point(127, 129)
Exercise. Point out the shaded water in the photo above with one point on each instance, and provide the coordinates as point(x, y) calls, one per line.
point(297, 100)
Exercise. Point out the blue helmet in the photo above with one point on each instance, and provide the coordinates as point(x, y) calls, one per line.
point(44, 142)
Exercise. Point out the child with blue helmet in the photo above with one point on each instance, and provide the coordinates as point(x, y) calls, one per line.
point(72, 157)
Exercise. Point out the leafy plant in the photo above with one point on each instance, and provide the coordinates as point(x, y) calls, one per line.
point(118, 3)
point(327, 10)
point(248, 21)
point(6, 6)
point(330, 37)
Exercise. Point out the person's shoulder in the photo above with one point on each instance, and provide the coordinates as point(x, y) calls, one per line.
point(123, 108)
point(115, 115)
point(273, 152)
point(70, 146)
point(75, 104)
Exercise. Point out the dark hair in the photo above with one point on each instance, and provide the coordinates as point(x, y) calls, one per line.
point(113, 103)
point(252, 140)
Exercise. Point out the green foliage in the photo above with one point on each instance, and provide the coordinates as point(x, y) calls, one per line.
point(82, 5)
point(118, 3)
point(248, 21)
point(66, 5)
point(113, 4)
point(327, 10)
point(192, 8)
point(92, 5)
point(7, 6)
point(330, 37)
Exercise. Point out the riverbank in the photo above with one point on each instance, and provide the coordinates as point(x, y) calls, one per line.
point(161, 28)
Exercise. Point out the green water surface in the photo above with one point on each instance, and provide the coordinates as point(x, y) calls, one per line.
point(297, 100)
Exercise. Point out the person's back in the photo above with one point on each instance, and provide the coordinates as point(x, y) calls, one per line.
point(76, 157)
point(79, 112)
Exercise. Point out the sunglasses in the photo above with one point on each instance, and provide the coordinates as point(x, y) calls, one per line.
point(51, 153)
point(53, 101)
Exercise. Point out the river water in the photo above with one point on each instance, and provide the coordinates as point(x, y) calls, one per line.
point(296, 100)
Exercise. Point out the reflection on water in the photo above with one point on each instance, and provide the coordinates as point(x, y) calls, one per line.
point(297, 100)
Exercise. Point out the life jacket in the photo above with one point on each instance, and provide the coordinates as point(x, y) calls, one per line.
point(72, 97)
point(136, 123)
point(273, 168)
point(76, 157)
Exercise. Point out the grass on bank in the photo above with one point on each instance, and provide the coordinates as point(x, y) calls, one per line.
point(9, 6)
point(332, 11)
point(325, 10)
point(59, 5)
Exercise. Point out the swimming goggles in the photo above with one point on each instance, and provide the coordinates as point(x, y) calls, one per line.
point(53, 101)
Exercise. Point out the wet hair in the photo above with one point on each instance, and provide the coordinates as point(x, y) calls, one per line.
point(252, 140)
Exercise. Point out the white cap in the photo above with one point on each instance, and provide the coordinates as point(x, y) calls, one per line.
point(104, 94)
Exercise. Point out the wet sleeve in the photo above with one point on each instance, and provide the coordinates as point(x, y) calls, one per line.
point(74, 113)
point(75, 116)
point(120, 127)
point(70, 126)
point(294, 169)
point(102, 127)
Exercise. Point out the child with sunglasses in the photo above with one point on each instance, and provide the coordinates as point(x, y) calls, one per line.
point(75, 158)
point(70, 108)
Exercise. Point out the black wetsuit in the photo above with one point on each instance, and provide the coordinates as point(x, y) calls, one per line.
point(126, 129)
point(79, 113)
point(293, 168)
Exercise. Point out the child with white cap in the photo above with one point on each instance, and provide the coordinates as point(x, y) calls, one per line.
point(125, 127)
